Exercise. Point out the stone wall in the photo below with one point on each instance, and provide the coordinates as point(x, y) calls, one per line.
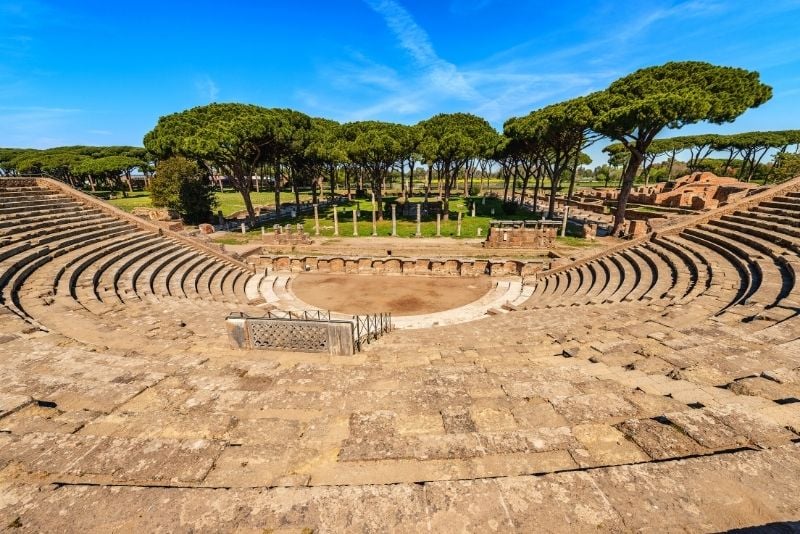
point(399, 266)
point(265, 333)
point(538, 237)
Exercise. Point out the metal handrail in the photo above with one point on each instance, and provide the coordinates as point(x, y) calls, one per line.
point(370, 327)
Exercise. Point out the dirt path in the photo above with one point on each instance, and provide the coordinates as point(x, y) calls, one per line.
point(401, 295)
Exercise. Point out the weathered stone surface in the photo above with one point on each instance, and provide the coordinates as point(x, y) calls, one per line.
point(705, 494)
point(10, 403)
point(593, 407)
point(706, 430)
point(758, 429)
point(61, 457)
point(457, 419)
point(605, 445)
point(659, 440)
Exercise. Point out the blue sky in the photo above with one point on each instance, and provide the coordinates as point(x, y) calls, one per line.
point(99, 72)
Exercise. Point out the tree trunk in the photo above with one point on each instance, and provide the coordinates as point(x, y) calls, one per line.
point(411, 164)
point(466, 180)
point(671, 163)
point(515, 175)
point(525, 178)
point(314, 195)
point(402, 175)
point(646, 173)
point(449, 183)
point(573, 177)
point(428, 186)
point(277, 190)
point(506, 180)
point(410, 191)
point(244, 188)
point(625, 190)
point(728, 163)
point(332, 179)
point(551, 205)
point(377, 189)
point(536, 185)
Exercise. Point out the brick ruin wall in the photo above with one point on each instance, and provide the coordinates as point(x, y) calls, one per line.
point(510, 237)
point(398, 266)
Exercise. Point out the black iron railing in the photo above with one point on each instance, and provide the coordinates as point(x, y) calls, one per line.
point(367, 328)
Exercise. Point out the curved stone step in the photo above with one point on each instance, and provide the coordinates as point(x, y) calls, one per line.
point(730, 277)
point(699, 273)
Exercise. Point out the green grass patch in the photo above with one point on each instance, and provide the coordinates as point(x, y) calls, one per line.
point(574, 241)
point(137, 199)
point(228, 202)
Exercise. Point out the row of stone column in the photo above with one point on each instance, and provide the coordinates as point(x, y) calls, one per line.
point(394, 222)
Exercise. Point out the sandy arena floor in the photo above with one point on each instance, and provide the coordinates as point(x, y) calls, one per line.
point(400, 295)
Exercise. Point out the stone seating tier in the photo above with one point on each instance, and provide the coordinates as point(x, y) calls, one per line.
point(54, 246)
point(740, 266)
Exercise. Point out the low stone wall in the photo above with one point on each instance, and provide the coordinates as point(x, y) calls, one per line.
point(543, 237)
point(398, 266)
point(266, 333)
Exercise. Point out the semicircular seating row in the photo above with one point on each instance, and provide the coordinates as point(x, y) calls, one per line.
point(740, 266)
point(55, 248)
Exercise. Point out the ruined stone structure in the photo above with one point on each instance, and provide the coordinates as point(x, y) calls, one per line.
point(409, 209)
point(287, 235)
point(589, 231)
point(652, 386)
point(393, 265)
point(697, 191)
point(521, 234)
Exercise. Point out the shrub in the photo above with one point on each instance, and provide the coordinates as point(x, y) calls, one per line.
point(180, 185)
point(510, 207)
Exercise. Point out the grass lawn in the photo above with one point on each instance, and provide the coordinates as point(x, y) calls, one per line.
point(229, 202)
point(137, 199)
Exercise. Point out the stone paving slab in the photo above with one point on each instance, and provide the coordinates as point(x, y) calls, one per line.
point(103, 459)
point(10, 403)
point(660, 440)
point(705, 494)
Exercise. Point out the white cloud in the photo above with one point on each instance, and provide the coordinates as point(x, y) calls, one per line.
point(206, 88)
point(361, 88)
point(444, 76)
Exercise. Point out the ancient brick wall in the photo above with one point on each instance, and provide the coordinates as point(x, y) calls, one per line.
point(521, 237)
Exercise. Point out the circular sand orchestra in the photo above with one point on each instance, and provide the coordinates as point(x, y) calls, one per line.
point(400, 295)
